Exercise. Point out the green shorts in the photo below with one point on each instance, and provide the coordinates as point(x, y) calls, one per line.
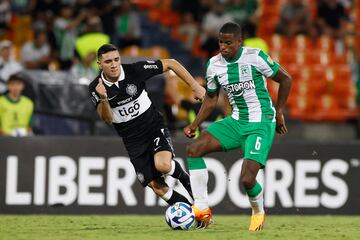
point(255, 138)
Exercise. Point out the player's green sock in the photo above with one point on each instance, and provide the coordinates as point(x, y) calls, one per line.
point(256, 198)
point(199, 178)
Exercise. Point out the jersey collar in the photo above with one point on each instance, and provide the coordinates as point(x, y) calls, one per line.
point(121, 77)
point(238, 54)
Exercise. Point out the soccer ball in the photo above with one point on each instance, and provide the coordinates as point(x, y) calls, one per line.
point(180, 216)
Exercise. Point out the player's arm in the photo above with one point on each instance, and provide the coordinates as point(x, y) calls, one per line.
point(284, 80)
point(207, 107)
point(172, 64)
point(103, 108)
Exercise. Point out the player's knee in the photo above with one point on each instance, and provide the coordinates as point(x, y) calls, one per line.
point(193, 150)
point(163, 166)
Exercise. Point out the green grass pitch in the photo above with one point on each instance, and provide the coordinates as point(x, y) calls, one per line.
point(153, 227)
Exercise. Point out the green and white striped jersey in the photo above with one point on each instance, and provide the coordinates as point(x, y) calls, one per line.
point(244, 81)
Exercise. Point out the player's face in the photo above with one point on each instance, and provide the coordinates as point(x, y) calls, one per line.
point(229, 45)
point(15, 87)
point(110, 64)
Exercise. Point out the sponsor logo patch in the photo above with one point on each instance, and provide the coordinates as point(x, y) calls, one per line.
point(150, 67)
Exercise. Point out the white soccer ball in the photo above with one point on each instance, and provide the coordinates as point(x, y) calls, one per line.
point(180, 216)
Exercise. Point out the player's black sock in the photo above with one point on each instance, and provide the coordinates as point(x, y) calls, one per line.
point(183, 177)
point(177, 197)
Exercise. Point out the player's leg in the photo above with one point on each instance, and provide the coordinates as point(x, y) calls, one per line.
point(249, 170)
point(169, 195)
point(219, 136)
point(256, 150)
point(163, 159)
point(170, 167)
point(199, 176)
point(198, 171)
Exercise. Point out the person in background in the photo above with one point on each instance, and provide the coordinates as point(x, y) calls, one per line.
point(5, 17)
point(295, 19)
point(253, 41)
point(93, 37)
point(127, 24)
point(16, 110)
point(66, 30)
point(243, 11)
point(84, 69)
point(36, 54)
point(212, 22)
point(189, 28)
point(331, 21)
point(8, 65)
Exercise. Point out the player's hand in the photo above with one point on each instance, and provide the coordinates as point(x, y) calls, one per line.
point(280, 123)
point(199, 93)
point(190, 131)
point(100, 89)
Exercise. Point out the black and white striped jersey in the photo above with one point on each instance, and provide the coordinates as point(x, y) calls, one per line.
point(133, 113)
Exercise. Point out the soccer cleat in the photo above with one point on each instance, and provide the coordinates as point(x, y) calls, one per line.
point(202, 217)
point(257, 222)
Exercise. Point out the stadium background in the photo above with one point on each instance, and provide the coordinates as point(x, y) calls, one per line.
point(61, 169)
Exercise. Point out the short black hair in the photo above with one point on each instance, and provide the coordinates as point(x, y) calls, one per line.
point(106, 48)
point(16, 77)
point(231, 28)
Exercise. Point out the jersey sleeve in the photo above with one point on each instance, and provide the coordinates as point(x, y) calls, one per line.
point(266, 65)
point(94, 96)
point(212, 83)
point(147, 69)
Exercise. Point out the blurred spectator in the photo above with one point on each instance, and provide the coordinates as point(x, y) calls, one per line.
point(184, 7)
point(43, 21)
point(84, 71)
point(295, 19)
point(20, 7)
point(127, 23)
point(92, 39)
point(205, 6)
point(8, 65)
point(211, 25)
point(45, 5)
point(65, 29)
point(107, 15)
point(251, 40)
point(5, 17)
point(332, 20)
point(189, 29)
point(15, 109)
point(36, 54)
point(242, 11)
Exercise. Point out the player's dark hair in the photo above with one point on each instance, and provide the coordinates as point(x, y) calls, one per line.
point(231, 28)
point(16, 77)
point(106, 48)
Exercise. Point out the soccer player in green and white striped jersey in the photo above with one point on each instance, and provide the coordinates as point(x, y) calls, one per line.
point(241, 72)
